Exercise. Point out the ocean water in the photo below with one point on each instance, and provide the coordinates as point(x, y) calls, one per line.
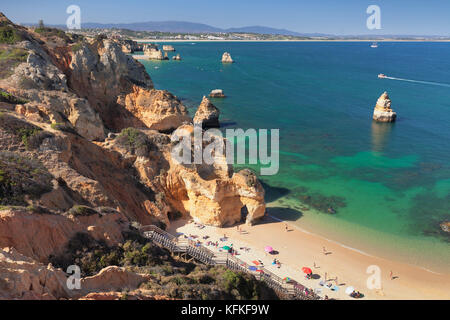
point(389, 183)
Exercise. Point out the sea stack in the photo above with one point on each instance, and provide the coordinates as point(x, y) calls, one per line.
point(168, 48)
point(177, 57)
point(207, 115)
point(383, 111)
point(226, 58)
point(217, 93)
point(153, 53)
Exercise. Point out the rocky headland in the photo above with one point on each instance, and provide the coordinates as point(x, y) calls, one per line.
point(85, 157)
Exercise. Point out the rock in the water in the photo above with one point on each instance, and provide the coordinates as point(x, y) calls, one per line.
point(207, 114)
point(217, 93)
point(445, 226)
point(226, 58)
point(168, 48)
point(152, 52)
point(177, 57)
point(383, 111)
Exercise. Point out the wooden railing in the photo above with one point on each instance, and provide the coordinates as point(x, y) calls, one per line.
point(202, 254)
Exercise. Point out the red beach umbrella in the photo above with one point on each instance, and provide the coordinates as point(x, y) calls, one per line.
point(306, 270)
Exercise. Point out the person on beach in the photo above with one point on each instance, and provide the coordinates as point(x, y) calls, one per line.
point(286, 227)
point(324, 250)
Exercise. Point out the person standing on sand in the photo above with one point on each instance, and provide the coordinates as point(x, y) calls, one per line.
point(286, 227)
point(391, 275)
point(324, 250)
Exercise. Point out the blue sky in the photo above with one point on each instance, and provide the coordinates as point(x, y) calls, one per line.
point(427, 17)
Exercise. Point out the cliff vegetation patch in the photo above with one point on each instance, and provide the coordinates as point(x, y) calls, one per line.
point(10, 58)
point(22, 178)
point(9, 35)
point(29, 135)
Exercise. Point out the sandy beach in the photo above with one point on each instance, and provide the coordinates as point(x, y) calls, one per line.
point(341, 265)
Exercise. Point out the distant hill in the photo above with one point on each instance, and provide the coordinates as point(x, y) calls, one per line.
point(186, 27)
point(268, 30)
point(162, 26)
point(192, 27)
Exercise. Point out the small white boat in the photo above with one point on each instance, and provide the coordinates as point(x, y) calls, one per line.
point(382, 76)
point(374, 45)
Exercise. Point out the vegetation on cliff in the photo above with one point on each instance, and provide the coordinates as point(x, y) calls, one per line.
point(9, 59)
point(171, 277)
point(21, 178)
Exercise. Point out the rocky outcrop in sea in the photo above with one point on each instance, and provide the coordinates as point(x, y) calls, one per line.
point(207, 115)
point(383, 111)
point(226, 58)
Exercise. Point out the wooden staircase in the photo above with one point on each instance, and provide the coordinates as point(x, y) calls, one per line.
point(191, 250)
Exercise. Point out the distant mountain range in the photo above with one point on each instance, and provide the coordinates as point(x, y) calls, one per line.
point(189, 27)
point(192, 27)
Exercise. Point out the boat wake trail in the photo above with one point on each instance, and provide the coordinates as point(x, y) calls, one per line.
point(421, 82)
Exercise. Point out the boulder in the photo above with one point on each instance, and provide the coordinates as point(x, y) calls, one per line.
point(217, 93)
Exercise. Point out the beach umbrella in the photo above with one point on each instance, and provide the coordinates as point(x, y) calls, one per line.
point(287, 279)
point(256, 263)
point(227, 248)
point(349, 290)
point(252, 268)
point(307, 270)
point(268, 249)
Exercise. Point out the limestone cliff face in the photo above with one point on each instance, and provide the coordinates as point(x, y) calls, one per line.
point(39, 80)
point(58, 154)
point(38, 236)
point(207, 115)
point(156, 109)
point(213, 194)
point(121, 90)
point(26, 279)
point(383, 111)
point(23, 278)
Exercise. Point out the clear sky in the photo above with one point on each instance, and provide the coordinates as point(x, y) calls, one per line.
point(419, 17)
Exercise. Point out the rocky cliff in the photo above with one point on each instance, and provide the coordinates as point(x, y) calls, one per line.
point(383, 111)
point(85, 148)
point(207, 115)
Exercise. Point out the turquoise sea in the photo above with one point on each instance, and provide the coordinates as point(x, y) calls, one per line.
point(388, 183)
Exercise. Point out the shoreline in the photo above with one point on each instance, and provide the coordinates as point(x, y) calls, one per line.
point(299, 40)
point(300, 248)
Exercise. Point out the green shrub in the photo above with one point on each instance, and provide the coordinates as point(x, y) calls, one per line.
point(20, 178)
point(83, 211)
point(77, 47)
point(51, 32)
point(10, 58)
point(9, 98)
point(135, 141)
point(9, 35)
